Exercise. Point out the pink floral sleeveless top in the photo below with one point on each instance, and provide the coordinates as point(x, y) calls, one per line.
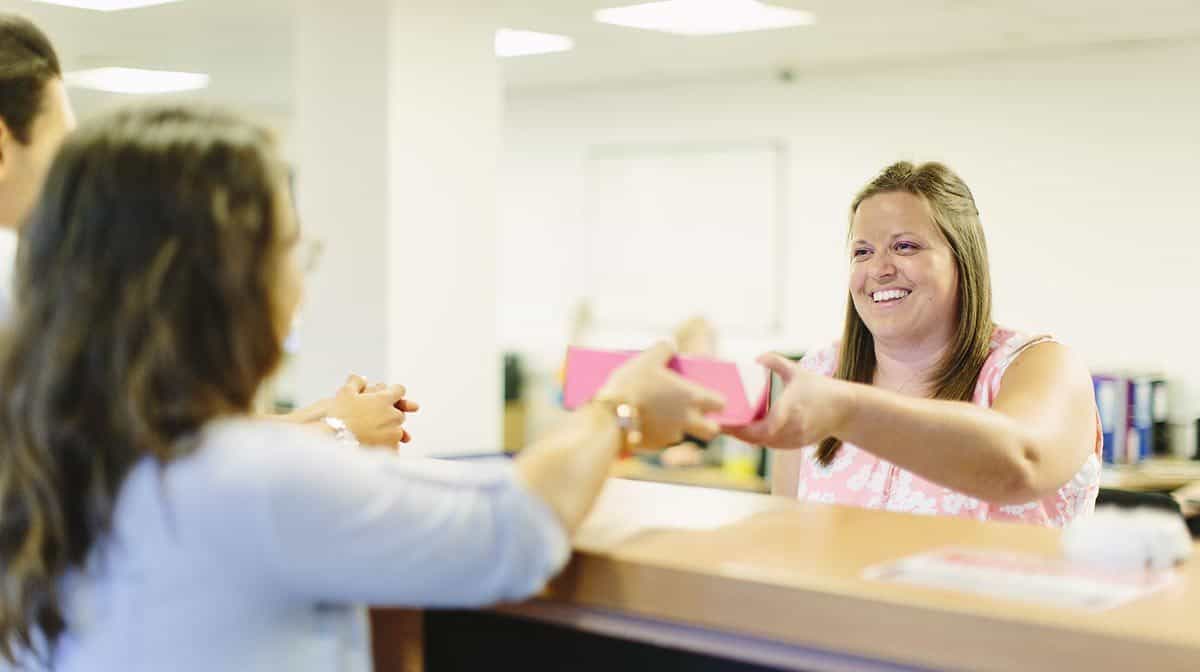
point(858, 478)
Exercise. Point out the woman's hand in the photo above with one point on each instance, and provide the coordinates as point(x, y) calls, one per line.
point(375, 414)
point(811, 408)
point(669, 405)
point(568, 467)
point(303, 416)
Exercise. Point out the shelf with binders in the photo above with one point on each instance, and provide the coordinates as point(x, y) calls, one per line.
point(1134, 416)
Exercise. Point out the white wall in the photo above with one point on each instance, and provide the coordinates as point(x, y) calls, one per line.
point(396, 170)
point(344, 316)
point(1084, 167)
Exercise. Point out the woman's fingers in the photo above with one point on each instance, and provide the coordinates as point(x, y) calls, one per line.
point(699, 426)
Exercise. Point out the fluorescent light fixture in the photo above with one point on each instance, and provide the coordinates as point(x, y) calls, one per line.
point(106, 5)
point(511, 42)
point(704, 17)
point(134, 80)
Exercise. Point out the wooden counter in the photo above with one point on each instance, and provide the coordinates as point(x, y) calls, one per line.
point(706, 476)
point(777, 584)
point(1160, 474)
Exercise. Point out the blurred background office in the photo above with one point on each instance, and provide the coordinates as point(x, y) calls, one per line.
point(505, 178)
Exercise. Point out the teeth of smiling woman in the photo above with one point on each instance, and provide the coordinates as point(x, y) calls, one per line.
point(889, 295)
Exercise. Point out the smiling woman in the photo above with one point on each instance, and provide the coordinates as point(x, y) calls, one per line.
point(925, 405)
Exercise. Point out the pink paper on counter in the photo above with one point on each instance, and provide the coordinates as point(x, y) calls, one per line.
point(588, 369)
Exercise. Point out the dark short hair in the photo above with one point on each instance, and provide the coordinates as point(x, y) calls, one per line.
point(27, 63)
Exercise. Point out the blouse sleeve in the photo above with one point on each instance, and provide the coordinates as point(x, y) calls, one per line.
point(345, 524)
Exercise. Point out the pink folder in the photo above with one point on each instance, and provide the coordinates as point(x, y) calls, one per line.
point(588, 370)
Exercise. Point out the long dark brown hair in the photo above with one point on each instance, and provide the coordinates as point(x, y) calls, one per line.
point(957, 217)
point(143, 310)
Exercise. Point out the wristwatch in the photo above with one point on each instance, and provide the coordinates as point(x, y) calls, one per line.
point(629, 421)
point(340, 431)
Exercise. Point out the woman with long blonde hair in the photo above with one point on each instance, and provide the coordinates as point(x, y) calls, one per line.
point(925, 405)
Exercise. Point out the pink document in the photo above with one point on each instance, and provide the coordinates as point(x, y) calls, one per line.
point(588, 370)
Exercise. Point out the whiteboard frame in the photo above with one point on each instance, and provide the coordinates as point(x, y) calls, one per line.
point(778, 147)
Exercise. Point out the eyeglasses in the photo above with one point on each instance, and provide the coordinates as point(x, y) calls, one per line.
point(308, 254)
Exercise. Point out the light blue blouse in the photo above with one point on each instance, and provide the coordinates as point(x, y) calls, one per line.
point(247, 554)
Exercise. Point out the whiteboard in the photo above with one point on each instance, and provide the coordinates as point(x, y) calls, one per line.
point(671, 232)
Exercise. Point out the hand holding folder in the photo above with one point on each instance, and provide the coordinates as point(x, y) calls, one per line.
point(587, 370)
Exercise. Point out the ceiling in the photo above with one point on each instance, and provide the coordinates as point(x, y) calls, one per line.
point(246, 44)
point(848, 33)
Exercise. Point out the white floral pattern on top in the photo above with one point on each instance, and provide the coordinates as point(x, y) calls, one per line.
point(858, 478)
